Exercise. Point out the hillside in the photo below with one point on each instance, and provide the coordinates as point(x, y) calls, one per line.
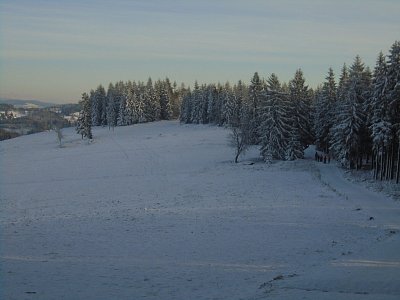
point(160, 211)
point(26, 103)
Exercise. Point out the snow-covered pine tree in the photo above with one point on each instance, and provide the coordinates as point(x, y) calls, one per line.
point(225, 94)
point(186, 108)
point(131, 95)
point(255, 91)
point(334, 134)
point(380, 121)
point(99, 113)
point(233, 103)
point(300, 110)
point(240, 93)
point(275, 128)
point(350, 125)
point(211, 104)
point(294, 149)
point(393, 95)
point(151, 104)
point(219, 96)
point(104, 109)
point(203, 102)
point(324, 114)
point(84, 123)
point(163, 96)
point(79, 124)
point(112, 108)
point(197, 104)
point(123, 115)
point(140, 115)
point(96, 108)
point(174, 98)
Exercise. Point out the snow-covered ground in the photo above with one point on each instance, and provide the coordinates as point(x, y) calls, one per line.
point(160, 211)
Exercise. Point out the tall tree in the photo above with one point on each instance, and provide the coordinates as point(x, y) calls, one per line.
point(380, 122)
point(324, 114)
point(151, 103)
point(163, 94)
point(393, 94)
point(255, 91)
point(275, 128)
point(350, 128)
point(84, 124)
point(300, 109)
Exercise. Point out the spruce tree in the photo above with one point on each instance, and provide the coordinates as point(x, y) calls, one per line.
point(255, 91)
point(197, 104)
point(324, 114)
point(163, 96)
point(84, 124)
point(151, 105)
point(380, 121)
point(393, 95)
point(275, 128)
point(300, 111)
point(350, 128)
point(186, 108)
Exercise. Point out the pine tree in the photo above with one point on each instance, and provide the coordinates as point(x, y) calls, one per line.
point(300, 109)
point(96, 108)
point(112, 108)
point(350, 128)
point(233, 103)
point(99, 106)
point(334, 134)
point(151, 104)
point(255, 91)
point(163, 95)
point(212, 112)
point(122, 113)
point(275, 129)
point(324, 115)
point(380, 121)
point(186, 108)
point(196, 104)
point(393, 95)
point(84, 124)
point(135, 102)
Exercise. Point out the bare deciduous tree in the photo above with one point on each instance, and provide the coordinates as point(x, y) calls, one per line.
point(239, 138)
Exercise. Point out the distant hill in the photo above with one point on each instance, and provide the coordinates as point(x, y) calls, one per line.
point(26, 103)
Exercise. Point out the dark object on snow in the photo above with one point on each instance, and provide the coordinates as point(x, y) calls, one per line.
point(325, 159)
point(371, 218)
point(279, 277)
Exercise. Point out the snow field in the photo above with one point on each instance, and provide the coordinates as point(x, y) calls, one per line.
point(159, 211)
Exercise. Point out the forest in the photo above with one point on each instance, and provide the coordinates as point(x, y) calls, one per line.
point(354, 119)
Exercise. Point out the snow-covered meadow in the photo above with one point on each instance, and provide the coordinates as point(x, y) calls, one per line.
point(160, 211)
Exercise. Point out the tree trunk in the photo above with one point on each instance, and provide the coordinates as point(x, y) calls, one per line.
point(388, 163)
point(392, 160)
point(382, 165)
point(374, 164)
point(387, 168)
point(398, 162)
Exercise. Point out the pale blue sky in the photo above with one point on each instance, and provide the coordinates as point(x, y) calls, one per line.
point(54, 50)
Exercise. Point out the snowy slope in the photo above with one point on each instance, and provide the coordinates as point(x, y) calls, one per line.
point(159, 211)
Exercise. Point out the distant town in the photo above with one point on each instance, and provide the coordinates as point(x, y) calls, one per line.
point(18, 117)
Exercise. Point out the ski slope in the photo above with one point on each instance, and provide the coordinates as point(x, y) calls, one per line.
point(160, 211)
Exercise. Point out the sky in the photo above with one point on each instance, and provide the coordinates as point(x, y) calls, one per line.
point(55, 50)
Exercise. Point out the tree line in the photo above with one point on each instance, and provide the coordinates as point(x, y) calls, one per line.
point(128, 103)
point(355, 120)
